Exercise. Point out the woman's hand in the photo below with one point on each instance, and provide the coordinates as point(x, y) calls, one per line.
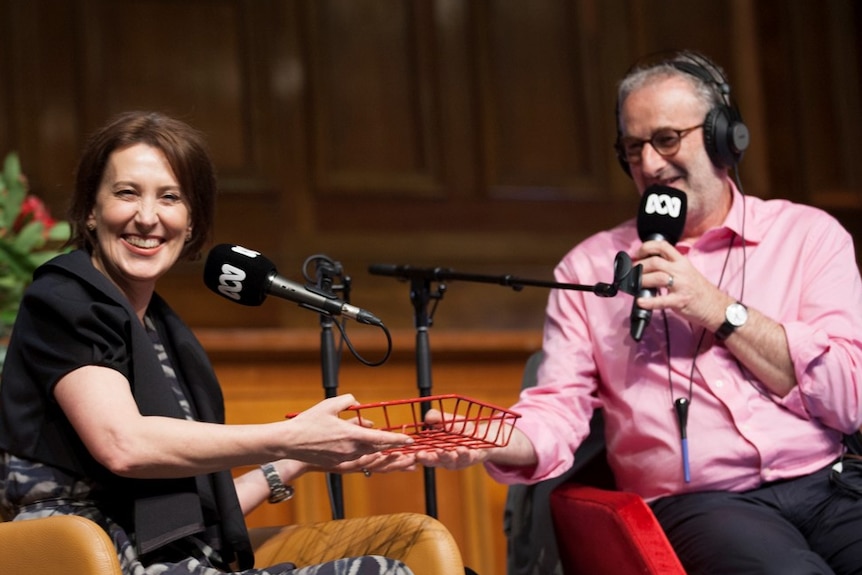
point(378, 463)
point(322, 438)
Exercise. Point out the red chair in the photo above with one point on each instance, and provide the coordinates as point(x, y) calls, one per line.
point(605, 532)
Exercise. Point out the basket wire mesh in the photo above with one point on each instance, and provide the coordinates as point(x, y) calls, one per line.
point(465, 422)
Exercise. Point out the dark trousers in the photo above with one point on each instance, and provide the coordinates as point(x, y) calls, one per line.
point(804, 526)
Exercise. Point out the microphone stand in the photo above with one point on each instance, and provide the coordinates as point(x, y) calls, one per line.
point(626, 278)
point(329, 360)
point(420, 296)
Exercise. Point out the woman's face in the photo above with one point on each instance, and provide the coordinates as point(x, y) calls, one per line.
point(140, 218)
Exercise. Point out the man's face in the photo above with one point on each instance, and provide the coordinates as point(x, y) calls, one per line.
point(673, 103)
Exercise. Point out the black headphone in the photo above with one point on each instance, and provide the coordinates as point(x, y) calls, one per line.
point(725, 136)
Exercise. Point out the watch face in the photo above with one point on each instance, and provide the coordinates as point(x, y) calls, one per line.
point(736, 314)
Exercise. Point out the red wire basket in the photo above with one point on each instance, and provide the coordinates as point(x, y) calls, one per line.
point(466, 422)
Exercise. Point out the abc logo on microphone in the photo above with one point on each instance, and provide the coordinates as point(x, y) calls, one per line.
point(663, 205)
point(231, 277)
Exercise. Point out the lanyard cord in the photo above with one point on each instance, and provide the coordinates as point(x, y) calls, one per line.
point(682, 404)
point(700, 339)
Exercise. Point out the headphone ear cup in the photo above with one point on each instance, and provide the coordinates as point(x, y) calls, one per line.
point(725, 137)
point(710, 137)
point(738, 137)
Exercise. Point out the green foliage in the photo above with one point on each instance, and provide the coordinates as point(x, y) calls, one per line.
point(28, 238)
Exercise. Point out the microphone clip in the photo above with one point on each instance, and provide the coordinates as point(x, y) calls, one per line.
point(329, 278)
point(627, 277)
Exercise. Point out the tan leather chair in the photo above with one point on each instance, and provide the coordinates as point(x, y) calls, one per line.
point(59, 544)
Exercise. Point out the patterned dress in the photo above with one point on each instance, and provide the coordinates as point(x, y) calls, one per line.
point(29, 490)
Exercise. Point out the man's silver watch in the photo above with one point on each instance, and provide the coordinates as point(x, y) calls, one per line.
point(735, 317)
point(278, 491)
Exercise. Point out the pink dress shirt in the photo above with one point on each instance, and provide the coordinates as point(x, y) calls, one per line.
point(798, 267)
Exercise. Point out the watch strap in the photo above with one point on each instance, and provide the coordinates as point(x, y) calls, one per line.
point(278, 491)
point(724, 330)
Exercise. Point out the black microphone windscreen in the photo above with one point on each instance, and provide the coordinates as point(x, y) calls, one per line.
point(662, 213)
point(238, 274)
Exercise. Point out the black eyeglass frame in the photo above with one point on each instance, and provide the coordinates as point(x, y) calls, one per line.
point(623, 143)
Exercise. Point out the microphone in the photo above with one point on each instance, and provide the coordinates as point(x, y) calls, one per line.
point(247, 277)
point(661, 217)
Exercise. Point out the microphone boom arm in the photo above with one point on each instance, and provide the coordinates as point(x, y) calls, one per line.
point(405, 272)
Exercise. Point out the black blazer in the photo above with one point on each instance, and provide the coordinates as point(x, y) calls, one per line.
point(72, 316)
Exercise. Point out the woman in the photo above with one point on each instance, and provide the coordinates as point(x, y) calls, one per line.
point(109, 407)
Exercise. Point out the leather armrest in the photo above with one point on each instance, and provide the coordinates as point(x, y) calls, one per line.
point(56, 544)
point(52, 545)
point(420, 541)
point(601, 531)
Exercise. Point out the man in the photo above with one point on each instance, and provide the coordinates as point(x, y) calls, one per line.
point(756, 328)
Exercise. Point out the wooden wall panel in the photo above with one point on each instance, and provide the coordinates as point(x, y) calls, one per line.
point(812, 69)
point(823, 88)
point(183, 58)
point(537, 124)
point(373, 96)
point(40, 71)
point(656, 25)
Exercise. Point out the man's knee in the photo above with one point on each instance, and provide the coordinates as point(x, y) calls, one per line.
point(738, 562)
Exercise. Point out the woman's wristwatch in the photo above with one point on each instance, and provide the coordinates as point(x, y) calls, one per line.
point(278, 491)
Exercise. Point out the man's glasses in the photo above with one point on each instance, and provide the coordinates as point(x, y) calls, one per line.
point(666, 142)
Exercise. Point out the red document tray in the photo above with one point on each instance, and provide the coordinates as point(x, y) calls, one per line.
point(466, 422)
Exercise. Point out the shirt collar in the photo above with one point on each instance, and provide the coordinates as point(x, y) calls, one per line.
point(740, 219)
point(739, 222)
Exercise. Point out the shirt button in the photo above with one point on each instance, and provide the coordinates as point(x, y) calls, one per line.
point(719, 383)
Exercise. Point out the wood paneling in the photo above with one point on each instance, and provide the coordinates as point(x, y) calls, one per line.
point(183, 58)
point(469, 135)
point(375, 99)
point(537, 122)
point(39, 78)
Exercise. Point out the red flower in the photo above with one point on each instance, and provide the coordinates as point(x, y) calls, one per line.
point(33, 210)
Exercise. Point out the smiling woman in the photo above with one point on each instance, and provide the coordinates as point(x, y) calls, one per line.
point(110, 408)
